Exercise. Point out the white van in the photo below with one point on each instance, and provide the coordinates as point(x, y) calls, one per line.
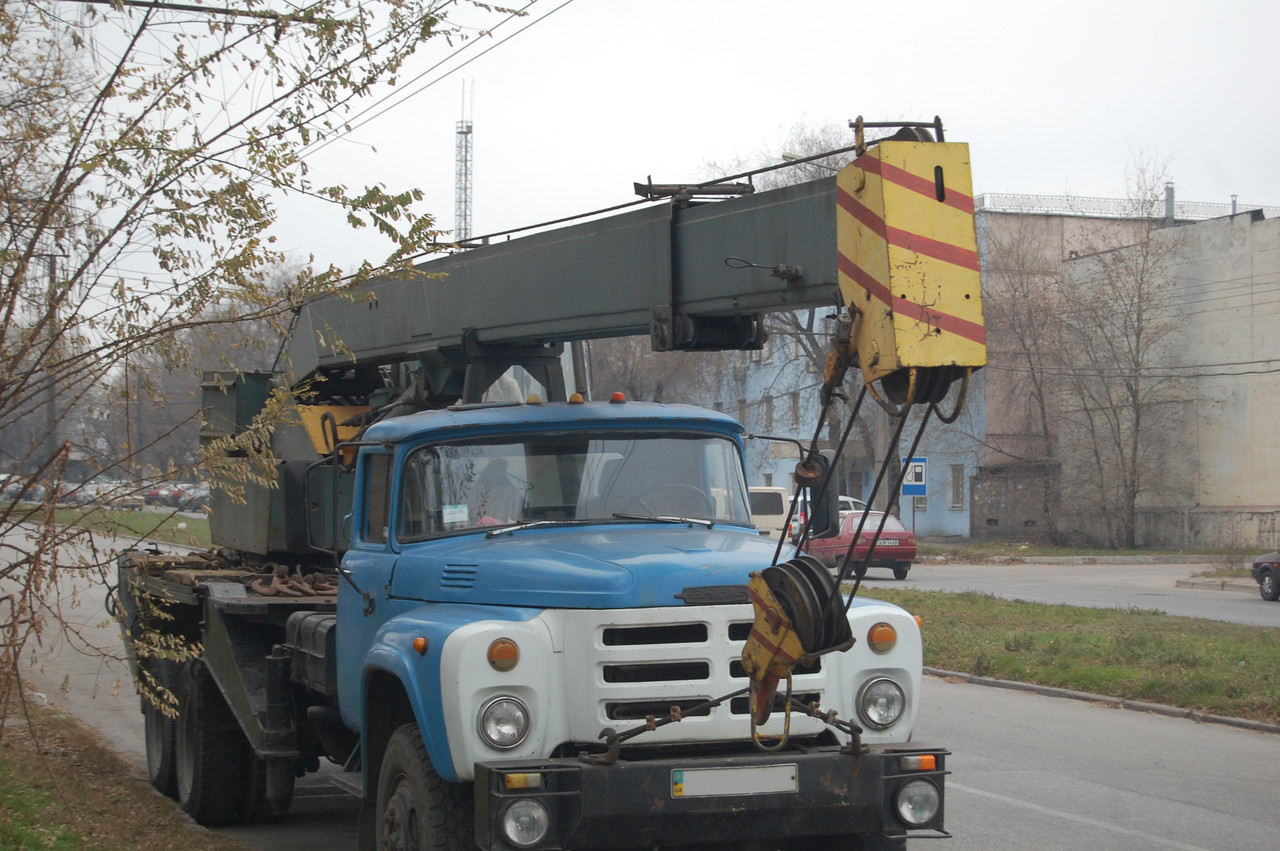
point(769, 509)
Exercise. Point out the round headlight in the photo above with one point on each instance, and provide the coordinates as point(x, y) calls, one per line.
point(525, 823)
point(881, 703)
point(503, 722)
point(918, 802)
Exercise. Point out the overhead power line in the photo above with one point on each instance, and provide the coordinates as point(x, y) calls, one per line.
point(299, 16)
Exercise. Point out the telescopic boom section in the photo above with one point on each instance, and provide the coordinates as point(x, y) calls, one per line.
point(693, 276)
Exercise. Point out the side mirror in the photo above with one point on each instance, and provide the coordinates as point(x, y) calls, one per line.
point(824, 507)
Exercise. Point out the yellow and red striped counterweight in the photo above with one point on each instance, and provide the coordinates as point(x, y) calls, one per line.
point(908, 264)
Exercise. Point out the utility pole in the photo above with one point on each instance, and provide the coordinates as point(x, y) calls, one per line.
point(51, 386)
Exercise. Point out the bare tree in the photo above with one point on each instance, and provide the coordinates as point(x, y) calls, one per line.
point(629, 365)
point(143, 150)
point(1112, 324)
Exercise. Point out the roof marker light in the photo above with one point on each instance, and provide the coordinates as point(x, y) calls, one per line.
point(618, 396)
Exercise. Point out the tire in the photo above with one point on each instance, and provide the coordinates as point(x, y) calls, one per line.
point(880, 842)
point(159, 730)
point(900, 570)
point(854, 568)
point(417, 811)
point(212, 754)
point(1269, 586)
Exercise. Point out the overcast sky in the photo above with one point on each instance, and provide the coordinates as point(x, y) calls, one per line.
point(1052, 98)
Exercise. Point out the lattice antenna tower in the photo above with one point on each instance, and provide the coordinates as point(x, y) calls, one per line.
point(462, 177)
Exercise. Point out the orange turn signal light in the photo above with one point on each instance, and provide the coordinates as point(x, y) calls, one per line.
point(919, 762)
point(882, 638)
point(420, 644)
point(531, 780)
point(503, 654)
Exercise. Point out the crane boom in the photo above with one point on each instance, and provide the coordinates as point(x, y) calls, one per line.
point(694, 276)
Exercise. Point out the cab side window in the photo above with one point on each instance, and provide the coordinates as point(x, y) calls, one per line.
point(419, 499)
point(377, 498)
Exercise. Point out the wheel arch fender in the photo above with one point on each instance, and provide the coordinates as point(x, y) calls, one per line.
point(402, 684)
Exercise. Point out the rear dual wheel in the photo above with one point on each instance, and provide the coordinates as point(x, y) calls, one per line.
point(159, 729)
point(212, 754)
point(218, 779)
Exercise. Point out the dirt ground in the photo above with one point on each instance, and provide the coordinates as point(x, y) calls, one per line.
point(60, 780)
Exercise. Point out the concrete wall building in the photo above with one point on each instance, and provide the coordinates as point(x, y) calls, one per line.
point(1206, 470)
point(1213, 466)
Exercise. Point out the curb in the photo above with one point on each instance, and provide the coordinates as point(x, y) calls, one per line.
point(1120, 703)
point(1234, 585)
point(1095, 559)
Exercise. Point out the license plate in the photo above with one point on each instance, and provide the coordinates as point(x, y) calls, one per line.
point(753, 780)
point(888, 542)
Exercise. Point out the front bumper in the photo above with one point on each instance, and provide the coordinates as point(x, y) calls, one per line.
point(673, 801)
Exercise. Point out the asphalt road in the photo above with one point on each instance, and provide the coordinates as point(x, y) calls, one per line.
point(1098, 585)
point(1029, 771)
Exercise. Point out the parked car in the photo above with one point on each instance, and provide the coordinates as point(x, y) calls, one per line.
point(195, 497)
point(112, 493)
point(18, 489)
point(1266, 572)
point(163, 493)
point(848, 503)
point(896, 548)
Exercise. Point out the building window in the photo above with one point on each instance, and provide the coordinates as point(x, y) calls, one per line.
point(768, 480)
point(766, 354)
point(718, 406)
point(742, 411)
point(955, 487)
point(793, 417)
point(768, 414)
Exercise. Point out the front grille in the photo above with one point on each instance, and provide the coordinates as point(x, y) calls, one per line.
point(636, 636)
point(656, 672)
point(639, 710)
point(642, 662)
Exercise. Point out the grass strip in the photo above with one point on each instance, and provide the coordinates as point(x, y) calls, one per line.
point(1134, 654)
point(167, 526)
point(64, 788)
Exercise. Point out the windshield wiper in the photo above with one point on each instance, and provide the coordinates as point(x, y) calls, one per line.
point(493, 533)
point(710, 524)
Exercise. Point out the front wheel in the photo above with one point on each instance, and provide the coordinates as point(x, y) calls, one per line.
point(1268, 586)
point(417, 810)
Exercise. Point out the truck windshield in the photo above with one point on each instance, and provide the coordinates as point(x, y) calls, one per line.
point(448, 488)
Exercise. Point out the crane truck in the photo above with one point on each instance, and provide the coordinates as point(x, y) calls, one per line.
point(551, 623)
